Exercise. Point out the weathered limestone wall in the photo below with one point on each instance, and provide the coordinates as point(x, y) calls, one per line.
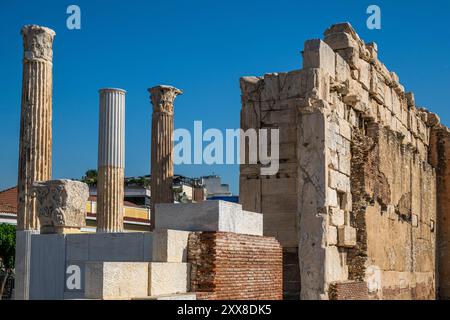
point(275, 196)
point(440, 158)
point(396, 253)
point(363, 191)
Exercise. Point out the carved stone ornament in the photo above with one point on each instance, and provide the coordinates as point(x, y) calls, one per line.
point(61, 205)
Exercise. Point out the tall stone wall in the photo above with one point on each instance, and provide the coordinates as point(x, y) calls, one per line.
point(363, 193)
point(440, 158)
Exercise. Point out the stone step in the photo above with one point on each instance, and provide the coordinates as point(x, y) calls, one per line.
point(124, 280)
point(177, 296)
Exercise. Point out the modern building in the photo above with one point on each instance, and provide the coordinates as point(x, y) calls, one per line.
point(215, 187)
point(136, 218)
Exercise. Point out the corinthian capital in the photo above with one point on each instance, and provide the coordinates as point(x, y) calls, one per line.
point(162, 98)
point(37, 43)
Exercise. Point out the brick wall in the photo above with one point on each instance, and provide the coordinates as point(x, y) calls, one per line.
point(229, 266)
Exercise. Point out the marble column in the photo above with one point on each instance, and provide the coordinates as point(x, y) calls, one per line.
point(111, 154)
point(162, 98)
point(35, 144)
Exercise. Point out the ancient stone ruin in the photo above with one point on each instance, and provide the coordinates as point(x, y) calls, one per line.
point(358, 210)
point(361, 201)
point(192, 249)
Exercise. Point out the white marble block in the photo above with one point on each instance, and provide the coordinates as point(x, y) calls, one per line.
point(208, 216)
point(116, 280)
point(168, 278)
point(170, 245)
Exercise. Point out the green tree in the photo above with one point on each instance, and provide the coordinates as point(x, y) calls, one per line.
point(7, 252)
point(90, 177)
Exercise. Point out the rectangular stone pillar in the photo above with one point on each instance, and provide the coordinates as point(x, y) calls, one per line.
point(312, 214)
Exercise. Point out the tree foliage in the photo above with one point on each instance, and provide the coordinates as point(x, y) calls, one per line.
point(7, 252)
point(7, 245)
point(90, 177)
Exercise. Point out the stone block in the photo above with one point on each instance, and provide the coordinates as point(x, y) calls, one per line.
point(332, 198)
point(271, 89)
point(168, 278)
point(339, 181)
point(342, 69)
point(344, 27)
point(345, 130)
point(129, 246)
point(306, 82)
point(208, 216)
point(340, 40)
point(346, 236)
point(61, 205)
point(318, 54)
point(116, 280)
point(337, 217)
point(170, 245)
point(351, 56)
point(22, 264)
point(334, 159)
point(365, 74)
point(344, 163)
point(47, 267)
point(335, 269)
point(332, 236)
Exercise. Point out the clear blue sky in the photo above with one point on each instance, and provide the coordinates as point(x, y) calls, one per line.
point(201, 47)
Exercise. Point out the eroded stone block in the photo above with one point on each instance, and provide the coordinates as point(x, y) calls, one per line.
point(337, 217)
point(318, 54)
point(61, 205)
point(116, 280)
point(346, 236)
point(168, 278)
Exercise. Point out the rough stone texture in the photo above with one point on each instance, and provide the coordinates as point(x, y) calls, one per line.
point(35, 146)
point(440, 158)
point(35, 141)
point(162, 99)
point(208, 216)
point(61, 205)
point(170, 245)
point(356, 192)
point(229, 266)
point(111, 158)
point(116, 280)
point(168, 278)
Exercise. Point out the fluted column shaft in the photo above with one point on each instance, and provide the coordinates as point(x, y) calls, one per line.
point(162, 98)
point(35, 144)
point(111, 156)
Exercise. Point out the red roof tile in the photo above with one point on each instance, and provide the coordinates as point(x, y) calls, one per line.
point(8, 200)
